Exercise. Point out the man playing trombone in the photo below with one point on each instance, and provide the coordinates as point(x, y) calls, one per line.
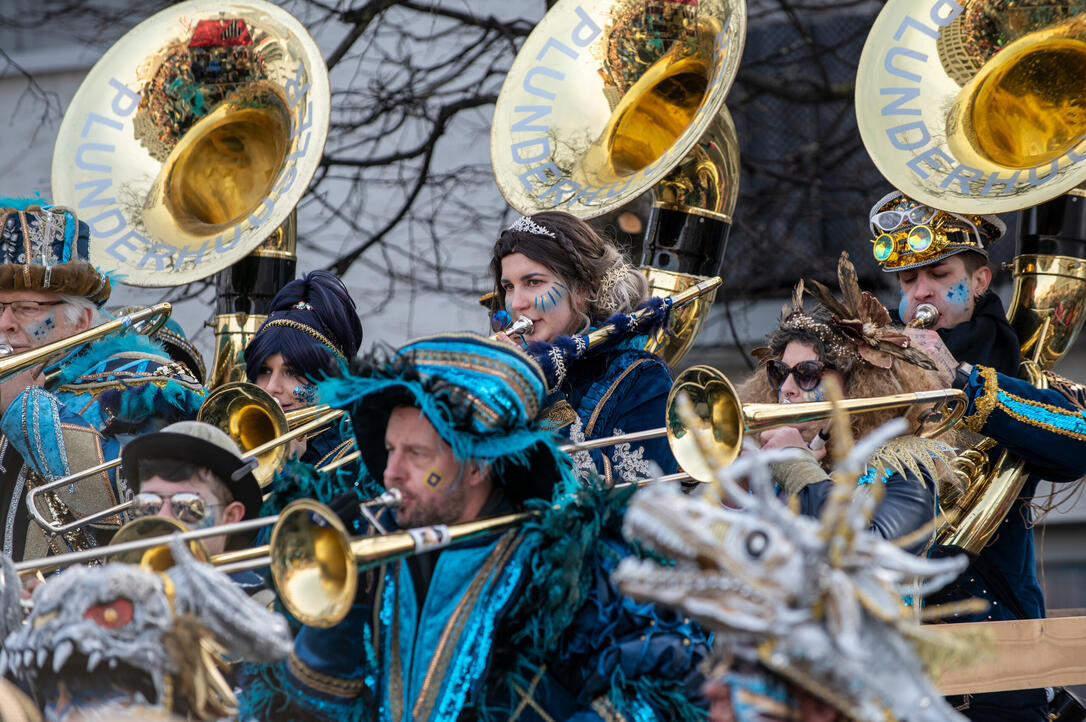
point(74, 410)
point(524, 623)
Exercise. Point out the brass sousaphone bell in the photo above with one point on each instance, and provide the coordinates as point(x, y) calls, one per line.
point(607, 100)
point(193, 138)
point(977, 106)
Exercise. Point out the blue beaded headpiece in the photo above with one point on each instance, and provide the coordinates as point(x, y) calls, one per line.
point(46, 248)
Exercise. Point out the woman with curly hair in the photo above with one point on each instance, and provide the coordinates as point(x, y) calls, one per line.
point(555, 269)
point(851, 342)
point(312, 330)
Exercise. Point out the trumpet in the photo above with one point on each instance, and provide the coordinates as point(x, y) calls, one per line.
point(145, 321)
point(143, 541)
point(257, 456)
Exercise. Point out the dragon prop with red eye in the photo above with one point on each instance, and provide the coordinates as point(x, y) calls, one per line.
point(99, 633)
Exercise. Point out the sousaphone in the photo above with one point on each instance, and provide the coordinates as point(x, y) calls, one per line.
point(977, 107)
point(192, 140)
point(607, 100)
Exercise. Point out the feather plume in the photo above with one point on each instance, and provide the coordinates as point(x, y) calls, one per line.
point(866, 322)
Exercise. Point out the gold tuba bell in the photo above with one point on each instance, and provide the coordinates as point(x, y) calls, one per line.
point(193, 138)
point(607, 101)
point(976, 106)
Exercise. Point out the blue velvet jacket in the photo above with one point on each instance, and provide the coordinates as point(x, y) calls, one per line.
point(620, 389)
point(1045, 429)
point(457, 651)
point(94, 400)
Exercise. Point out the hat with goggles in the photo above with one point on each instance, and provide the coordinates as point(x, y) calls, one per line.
point(908, 234)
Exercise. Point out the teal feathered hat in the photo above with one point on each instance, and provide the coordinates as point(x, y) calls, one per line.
point(46, 248)
point(483, 397)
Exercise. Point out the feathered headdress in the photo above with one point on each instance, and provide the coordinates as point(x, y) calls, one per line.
point(865, 322)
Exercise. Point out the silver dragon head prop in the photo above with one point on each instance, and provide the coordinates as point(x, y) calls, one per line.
point(819, 601)
point(97, 633)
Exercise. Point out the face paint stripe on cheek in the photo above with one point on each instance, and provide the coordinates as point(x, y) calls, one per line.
point(305, 394)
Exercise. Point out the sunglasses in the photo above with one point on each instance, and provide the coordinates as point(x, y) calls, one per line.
point(806, 373)
point(185, 505)
point(889, 220)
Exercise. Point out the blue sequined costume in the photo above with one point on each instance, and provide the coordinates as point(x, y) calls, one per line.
point(620, 389)
point(101, 395)
point(1043, 427)
point(524, 626)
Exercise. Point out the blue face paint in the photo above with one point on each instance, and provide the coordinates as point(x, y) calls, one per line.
point(550, 298)
point(902, 307)
point(305, 394)
point(42, 328)
point(958, 294)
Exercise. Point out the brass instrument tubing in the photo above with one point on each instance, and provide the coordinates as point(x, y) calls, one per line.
point(86, 555)
point(11, 365)
point(253, 453)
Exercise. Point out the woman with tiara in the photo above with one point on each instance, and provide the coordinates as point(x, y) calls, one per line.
point(555, 269)
point(312, 330)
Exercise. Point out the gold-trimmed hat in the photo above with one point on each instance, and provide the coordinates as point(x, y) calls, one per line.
point(46, 248)
point(908, 234)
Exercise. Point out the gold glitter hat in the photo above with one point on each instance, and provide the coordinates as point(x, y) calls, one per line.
point(908, 234)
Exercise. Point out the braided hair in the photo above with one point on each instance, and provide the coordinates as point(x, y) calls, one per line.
point(602, 280)
point(318, 301)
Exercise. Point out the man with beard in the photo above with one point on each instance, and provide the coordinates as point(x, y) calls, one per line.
point(941, 258)
point(521, 624)
point(78, 408)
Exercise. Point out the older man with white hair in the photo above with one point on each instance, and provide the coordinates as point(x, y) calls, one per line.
point(77, 408)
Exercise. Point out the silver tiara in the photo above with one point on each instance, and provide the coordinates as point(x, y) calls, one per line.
point(525, 224)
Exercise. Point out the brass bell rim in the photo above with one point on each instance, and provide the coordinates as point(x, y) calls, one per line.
point(558, 23)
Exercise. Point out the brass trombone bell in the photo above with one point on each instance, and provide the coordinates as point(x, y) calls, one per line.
point(724, 419)
point(605, 99)
point(145, 541)
point(315, 563)
point(193, 138)
point(253, 418)
point(977, 106)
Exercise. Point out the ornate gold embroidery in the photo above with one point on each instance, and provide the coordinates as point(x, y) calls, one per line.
point(987, 402)
point(334, 686)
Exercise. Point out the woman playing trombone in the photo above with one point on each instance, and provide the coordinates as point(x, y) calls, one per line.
point(852, 343)
point(556, 270)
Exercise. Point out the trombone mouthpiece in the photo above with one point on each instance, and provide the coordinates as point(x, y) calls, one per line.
point(521, 327)
point(925, 316)
point(5, 349)
point(391, 499)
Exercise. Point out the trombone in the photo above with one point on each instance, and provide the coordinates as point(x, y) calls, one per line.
point(142, 541)
point(264, 457)
point(145, 321)
point(726, 420)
